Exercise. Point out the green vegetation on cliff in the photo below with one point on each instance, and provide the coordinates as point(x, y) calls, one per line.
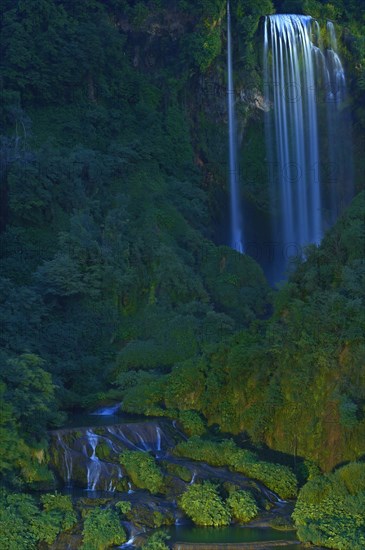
point(276, 477)
point(330, 509)
point(142, 470)
point(114, 284)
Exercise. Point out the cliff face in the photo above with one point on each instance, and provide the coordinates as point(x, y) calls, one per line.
point(113, 179)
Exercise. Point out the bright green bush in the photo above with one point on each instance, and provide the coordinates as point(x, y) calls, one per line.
point(330, 509)
point(192, 423)
point(124, 506)
point(102, 529)
point(178, 470)
point(142, 470)
point(23, 524)
point(353, 477)
point(203, 504)
point(242, 505)
point(156, 542)
point(16, 514)
point(276, 477)
point(61, 506)
point(216, 454)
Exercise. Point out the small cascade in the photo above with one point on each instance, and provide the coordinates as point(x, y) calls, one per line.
point(146, 436)
point(128, 544)
point(67, 458)
point(118, 433)
point(236, 240)
point(271, 496)
point(340, 173)
point(130, 490)
point(175, 426)
point(94, 466)
point(107, 411)
point(76, 459)
point(193, 479)
point(332, 35)
point(144, 445)
point(158, 438)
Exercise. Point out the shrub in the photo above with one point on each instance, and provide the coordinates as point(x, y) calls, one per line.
point(22, 524)
point(330, 509)
point(16, 513)
point(204, 506)
point(142, 470)
point(276, 477)
point(102, 529)
point(156, 542)
point(60, 505)
point(242, 505)
point(124, 506)
point(192, 423)
point(216, 454)
point(353, 477)
point(178, 470)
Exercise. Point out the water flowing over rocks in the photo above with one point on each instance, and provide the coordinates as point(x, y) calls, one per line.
point(88, 457)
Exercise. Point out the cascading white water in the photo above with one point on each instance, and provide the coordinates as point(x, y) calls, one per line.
point(128, 544)
point(236, 238)
point(94, 466)
point(301, 77)
point(340, 190)
point(291, 88)
point(107, 411)
point(158, 438)
point(118, 433)
point(67, 457)
point(193, 478)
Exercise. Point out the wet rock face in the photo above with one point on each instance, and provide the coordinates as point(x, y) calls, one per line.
point(89, 457)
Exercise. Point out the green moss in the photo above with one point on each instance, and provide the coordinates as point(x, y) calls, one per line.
point(142, 470)
point(192, 423)
point(178, 470)
point(276, 477)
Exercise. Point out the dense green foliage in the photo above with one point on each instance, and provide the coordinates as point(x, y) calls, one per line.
point(102, 529)
point(242, 505)
point(203, 504)
point(113, 195)
point(276, 477)
point(142, 470)
point(156, 542)
point(330, 509)
point(23, 524)
point(124, 506)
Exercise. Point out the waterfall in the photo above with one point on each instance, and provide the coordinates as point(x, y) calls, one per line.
point(94, 466)
point(128, 544)
point(118, 433)
point(236, 238)
point(67, 456)
point(340, 190)
point(75, 458)
point(299, 75)
point(193, 478)
point(158, 438)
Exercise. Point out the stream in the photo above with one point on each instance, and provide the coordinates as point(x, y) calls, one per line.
point(84, 457)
